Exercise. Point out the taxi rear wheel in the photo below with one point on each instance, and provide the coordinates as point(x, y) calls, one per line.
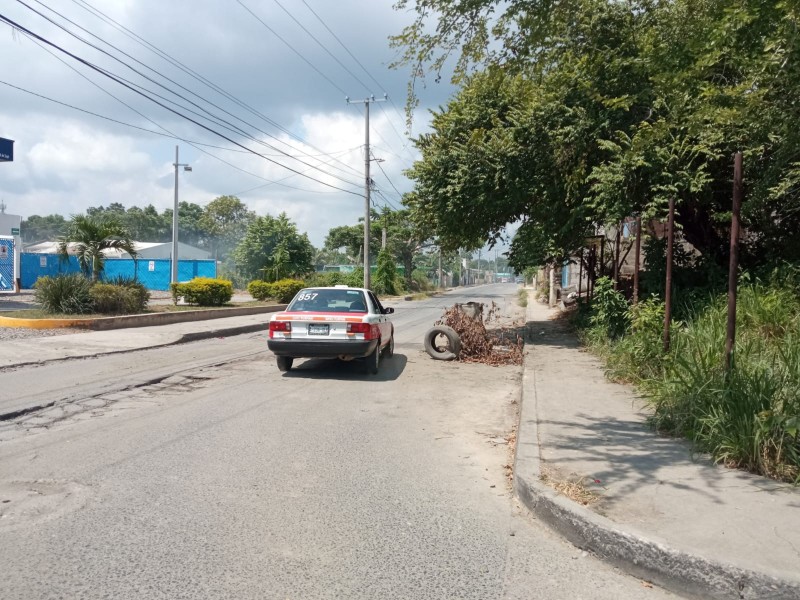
point(373, 361)
point(284, 363)
point(388, 351)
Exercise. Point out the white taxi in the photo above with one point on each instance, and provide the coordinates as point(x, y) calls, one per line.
point(332, 322)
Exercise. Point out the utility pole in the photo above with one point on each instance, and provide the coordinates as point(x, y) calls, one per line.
point(174, 270)
point(440, 269)
point(367, 181)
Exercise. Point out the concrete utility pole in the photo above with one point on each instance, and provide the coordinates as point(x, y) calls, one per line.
point(367, 181)
point(174, 270)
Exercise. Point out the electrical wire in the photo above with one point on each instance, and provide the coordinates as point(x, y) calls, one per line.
point(23, 29)
point(218, 121)
point(97, 13)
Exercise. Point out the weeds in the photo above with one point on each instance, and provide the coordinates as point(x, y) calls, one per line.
point(748, 418)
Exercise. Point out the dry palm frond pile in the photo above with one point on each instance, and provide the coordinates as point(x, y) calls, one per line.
point(479, 345)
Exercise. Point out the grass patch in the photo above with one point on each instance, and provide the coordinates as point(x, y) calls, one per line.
point(522, 297)
point(748, 418)
point(574, 489)
point(38, 313)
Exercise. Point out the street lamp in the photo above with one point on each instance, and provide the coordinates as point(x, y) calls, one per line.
point(174, 271)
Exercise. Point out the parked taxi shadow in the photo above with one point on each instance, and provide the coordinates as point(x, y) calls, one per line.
point(353, 370)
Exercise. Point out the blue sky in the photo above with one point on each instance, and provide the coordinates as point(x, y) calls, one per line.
point(292, 81)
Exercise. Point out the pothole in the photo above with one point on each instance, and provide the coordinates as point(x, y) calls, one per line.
point(43, 418)
point(24, 503)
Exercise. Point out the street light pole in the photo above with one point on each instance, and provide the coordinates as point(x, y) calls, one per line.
point(174, 269)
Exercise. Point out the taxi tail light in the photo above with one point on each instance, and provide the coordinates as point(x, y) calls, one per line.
point(284, 326)
point(369, 330)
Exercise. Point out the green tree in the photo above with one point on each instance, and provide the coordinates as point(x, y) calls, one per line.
point(88, 238)
point(36, 229)
point(225, 220)
point(272, 247)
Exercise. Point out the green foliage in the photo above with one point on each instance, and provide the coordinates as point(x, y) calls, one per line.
point(284, 290)
point(610, 309)
point(747, 418)
point(420, 281)
point(203, 291)
point(115, 299)
point(88, 238)
point(331, 278)
point(64, 294)
point(273, 248)
point(582, 112)
point(260, 290)
point(138, 293)
point(386, 281)
point(522, 297)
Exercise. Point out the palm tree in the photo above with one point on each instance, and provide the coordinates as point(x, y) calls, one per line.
point(88, 238)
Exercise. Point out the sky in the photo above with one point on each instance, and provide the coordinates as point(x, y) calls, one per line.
point(271, 76)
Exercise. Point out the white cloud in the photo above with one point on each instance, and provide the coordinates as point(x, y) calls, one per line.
point(67, 161)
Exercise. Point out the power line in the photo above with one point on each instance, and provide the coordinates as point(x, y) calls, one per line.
point(16, 25)
point(358, 62)
point(321, 45)
point(95, 12)
point(167, 134)
point(220, 122)
point(292, 48)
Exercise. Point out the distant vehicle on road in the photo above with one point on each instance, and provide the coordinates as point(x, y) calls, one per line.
point(520, 279)
point(332, 322)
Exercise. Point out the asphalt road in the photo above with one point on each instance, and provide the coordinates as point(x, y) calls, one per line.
point(201, 471)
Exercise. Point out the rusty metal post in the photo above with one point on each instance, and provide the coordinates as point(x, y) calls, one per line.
point(615, 255)
point(580, 273)
point(668, 290)
point(602, 256)
point(636, 259)
point(730, 337)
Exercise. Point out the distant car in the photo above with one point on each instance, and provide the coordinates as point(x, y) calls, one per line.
point(332, 322)
point(520, 280)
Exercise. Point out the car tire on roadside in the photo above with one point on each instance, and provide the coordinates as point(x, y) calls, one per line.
point(453, 343)
point(284, 363)
point(388, 351)
point(373, 361)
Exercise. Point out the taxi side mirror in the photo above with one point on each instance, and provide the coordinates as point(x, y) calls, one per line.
point(388, 311)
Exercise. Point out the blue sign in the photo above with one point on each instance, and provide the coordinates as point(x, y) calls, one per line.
point(6, 150)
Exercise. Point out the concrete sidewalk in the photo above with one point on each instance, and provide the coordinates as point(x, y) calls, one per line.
point(663, 513)
point(15, 353)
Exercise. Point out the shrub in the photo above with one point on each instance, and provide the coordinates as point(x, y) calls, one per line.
point(138, 293)
point(114, 299)
point(260, 290)
point(203, 291)
point(331, 278)
point(65, 294)
point(610, 316)
point(420, 281)
point(386, 274)
point(284, 290)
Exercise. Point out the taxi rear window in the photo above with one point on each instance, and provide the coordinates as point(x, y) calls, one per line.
point(324, 300)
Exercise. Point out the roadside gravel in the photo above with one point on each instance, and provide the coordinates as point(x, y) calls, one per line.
point(23, 300)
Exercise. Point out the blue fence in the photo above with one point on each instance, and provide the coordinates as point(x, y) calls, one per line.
point(7, 265)
point(154, 274)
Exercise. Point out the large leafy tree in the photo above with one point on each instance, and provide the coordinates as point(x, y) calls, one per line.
point(624, 105)
point(89, 238)
point(36, 228)
point(273, 248)
point(225, 220)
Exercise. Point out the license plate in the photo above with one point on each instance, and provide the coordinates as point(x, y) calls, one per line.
point(318, 329)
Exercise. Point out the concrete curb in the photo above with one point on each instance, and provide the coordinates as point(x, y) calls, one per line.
point(679, 571)
point(148, 320)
